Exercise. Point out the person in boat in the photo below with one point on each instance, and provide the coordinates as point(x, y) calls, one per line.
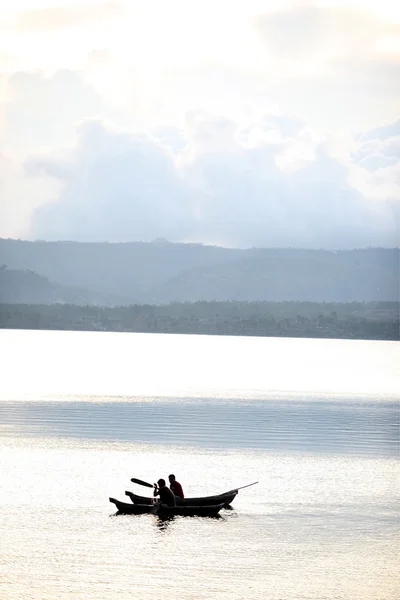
point(166, 496)
point(175, 486)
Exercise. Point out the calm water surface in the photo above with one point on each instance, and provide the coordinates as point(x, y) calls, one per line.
point(316, 422)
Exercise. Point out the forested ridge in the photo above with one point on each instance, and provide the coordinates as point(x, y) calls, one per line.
point(190, 288)
point(377, 320)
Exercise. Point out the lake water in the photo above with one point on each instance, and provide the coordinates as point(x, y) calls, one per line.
point(316, 422)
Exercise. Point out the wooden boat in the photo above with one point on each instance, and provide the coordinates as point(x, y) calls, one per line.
point(128, 508)
point(225, 499)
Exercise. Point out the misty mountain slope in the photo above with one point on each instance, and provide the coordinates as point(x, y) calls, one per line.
point(161, 272)
point(127, 269)
point(316, 276)
point(27, 287)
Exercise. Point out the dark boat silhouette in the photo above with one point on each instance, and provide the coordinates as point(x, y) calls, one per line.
point(224, 499)
point(163, 510)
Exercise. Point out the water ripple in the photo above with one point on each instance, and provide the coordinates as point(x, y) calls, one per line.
point(365, 428)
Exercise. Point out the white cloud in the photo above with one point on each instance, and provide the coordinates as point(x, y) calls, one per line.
point(20, 196)
point(294, 190)
point(42, 111)
point(387, 131)
point(165, 59)
point(60, 17)
point(334, 69)
point(115, 187)
point(376, 169)
point(320, 71)
point(308, 31)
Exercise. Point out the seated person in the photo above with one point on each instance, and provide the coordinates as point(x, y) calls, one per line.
point(166, 496)
point(175, 486)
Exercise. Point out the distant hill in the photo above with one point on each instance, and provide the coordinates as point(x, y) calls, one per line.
point(129, 269)
point(162, 272)
point(27, 287)
point(314, 276)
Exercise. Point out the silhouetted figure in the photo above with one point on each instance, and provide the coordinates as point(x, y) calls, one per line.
point(166, 496)
point(175, 486)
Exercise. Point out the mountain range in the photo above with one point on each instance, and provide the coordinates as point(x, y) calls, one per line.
point(161, 272)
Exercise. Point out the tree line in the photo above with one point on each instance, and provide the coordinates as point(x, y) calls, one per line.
point(352, 320)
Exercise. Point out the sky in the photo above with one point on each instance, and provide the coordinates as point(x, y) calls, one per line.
point(247, 123)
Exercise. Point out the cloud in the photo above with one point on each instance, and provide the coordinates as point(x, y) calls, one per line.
point(334, 67)
point(273, 183)
point(328, 31)
point(20, 196)
point(287, 192)
point(379, 148)
point(293, 32)
point(43, 111)
point(370, 81)
point(330, 64)
point(115, 187)
point(346, 95)
point(60, 17)
point(382, 132)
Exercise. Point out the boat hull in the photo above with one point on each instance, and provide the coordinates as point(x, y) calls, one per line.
point(225, 499)
point(167, 511)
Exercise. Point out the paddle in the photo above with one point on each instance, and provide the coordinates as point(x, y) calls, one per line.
point(140, 482)
point(154, 510)
point(243, 486)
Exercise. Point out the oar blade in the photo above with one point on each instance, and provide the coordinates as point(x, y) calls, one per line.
point(140, 482)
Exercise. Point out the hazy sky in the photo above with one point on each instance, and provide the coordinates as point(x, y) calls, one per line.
point(237, 123)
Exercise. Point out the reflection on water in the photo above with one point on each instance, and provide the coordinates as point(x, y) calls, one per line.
point(323, 521)
point(342, 427)
point(163, 522)
point(316, 526)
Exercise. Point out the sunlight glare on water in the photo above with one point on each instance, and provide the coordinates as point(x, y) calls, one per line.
point(48, 362)
point(76, 424)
